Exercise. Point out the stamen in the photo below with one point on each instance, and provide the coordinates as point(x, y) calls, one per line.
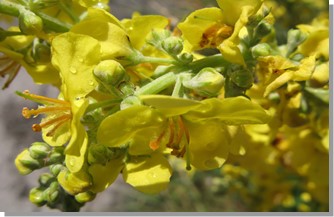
point(42, 99)
point(27, 113)
point(171, 134)
point(53, 130)
point(55, 120)
point(155, 144)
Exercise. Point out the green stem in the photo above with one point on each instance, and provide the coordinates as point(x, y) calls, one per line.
point(69, 12)
point(158, 84)
point(211, 61)
point(146, 59)
point(50, 22)
point(102, 104)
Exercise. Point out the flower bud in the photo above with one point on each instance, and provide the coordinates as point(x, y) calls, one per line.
point(55, 169)
point(130, 101)
point(51, 194)
point(25, 164)
point(186, 58)
point(208, 82)
point(172, 45)
point(45, 179)
point(30, 23)
point(296, 37)
point(56, 156)
point(39, 150)
point(36, 196)
point(242, 78)
point(110, 73)
point(98, 154)
point(263, 29)
point(85, 197)
point(41, 52)
point(262, 49)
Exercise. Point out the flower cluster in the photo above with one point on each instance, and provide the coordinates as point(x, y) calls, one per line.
point(135, 94)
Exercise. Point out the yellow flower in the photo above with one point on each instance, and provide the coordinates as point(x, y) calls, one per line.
point(15, 50)
point(274, 71)
point(219, 28)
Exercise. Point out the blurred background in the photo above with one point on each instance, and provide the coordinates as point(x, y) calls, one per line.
point(202, 191)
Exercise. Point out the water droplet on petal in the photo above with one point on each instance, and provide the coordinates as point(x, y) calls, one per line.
point(152, 175)
point(73, 70)
point(91, 83)
point(81, 60)
point(210, 163)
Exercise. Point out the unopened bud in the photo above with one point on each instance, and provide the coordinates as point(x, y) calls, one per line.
point(296, 37)
point(56, 156)
point(98, 154)
point(51, 194)
point(45, 179)
point(242, 78)
point(39, 150)
point(262, 49)
point(30, 23)
point(41, 53)
point(55, 169)
point(172, 45)
point(25, 164)
point(110, 73)
point(208, 82)
point(263, 29)
point(85, 197)
point(186, 58)
point(36, 196)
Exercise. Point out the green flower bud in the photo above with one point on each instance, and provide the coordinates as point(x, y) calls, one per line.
point(208, 82)
point(25, 164)
point(51, 194)
point(296, 37)
point(55, 169)
point(41, 52)
point(98, 154)
point(36, 196)
point(30, 23)
point(130, 101)
point(110, 73)
point(186, 58)
point(242, 78)
point(172, 45)
point(157, 36)
point(45, 179)
point(262, 49)
point(263, 29)
point(39, 150)
point(56, 156)
point(85, 197)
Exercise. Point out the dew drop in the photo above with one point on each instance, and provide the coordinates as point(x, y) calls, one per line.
point(91, 83)
point(152, 175)
point(81, 60)
point(210, 163)
point(73, 70)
